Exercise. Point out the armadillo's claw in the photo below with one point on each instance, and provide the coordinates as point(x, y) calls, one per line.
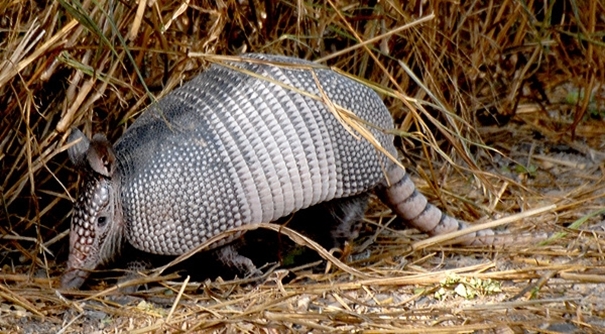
point(73, 278)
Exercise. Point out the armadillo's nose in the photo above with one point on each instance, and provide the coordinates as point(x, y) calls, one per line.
point(75, 274)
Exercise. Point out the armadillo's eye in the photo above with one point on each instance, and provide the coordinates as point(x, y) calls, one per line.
point(101, 221)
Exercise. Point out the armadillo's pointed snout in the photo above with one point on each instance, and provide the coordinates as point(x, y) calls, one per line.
point(76, 272)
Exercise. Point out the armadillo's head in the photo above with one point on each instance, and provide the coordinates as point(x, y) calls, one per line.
point(96, 224)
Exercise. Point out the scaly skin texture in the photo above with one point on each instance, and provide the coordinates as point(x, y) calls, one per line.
point(231, 148)
point(97, 220)
point(226, 149)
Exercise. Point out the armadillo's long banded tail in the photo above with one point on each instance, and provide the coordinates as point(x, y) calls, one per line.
point(408, 203)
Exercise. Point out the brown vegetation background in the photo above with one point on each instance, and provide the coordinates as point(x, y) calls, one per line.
point(467, 82)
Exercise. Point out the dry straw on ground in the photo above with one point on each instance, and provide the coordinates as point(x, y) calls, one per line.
point(499, 107)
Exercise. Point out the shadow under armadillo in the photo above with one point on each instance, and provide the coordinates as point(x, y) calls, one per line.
point(331, 224)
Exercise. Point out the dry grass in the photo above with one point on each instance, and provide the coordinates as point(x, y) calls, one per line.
point(499, 105)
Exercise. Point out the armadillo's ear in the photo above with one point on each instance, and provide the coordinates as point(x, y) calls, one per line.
point(77, 153)
point(100, 156)
point(96, 153)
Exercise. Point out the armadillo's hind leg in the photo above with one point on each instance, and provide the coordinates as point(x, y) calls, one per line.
point(347, 214)
point(401, 195)
point(331, 223)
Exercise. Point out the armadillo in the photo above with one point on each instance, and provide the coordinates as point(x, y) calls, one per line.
point(247, 141)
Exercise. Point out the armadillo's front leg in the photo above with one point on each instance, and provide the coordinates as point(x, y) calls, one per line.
point(230, 257)
point(133, 269)
point(412, 206)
